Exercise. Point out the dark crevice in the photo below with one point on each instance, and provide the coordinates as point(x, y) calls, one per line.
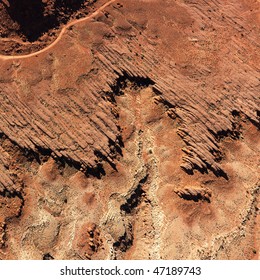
point(104, 158)
point(189, 171)
point(235, 113)
point(11, 194)
point(116, 146)
point(195, 197)
point(48, 257)
point(41, 155)
point(120, 142)
point(233, 134)
point(240, 116)
point(98, 171)
point(125, 241)
point(165, 103)
point(218, 155)
point(36, 17)
point(204, 170)
point(132, 201)
point(135, 198)
point(220, 173)
point(124, 80)
point(29, 14)
point(157, 91)
point(63, 161)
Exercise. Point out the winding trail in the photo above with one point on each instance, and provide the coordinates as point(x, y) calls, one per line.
point(63, 30)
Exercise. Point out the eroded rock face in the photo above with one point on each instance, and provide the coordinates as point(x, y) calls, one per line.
point(133, 135)
point(194, 193)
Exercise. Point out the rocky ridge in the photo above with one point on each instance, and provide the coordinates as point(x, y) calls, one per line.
point(85, 106)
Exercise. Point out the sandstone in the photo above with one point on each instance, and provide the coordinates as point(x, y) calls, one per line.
point(129, 129)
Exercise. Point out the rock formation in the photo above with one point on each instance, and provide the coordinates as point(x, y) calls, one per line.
point(129, 130)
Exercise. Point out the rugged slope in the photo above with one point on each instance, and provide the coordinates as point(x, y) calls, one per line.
point(134, 135)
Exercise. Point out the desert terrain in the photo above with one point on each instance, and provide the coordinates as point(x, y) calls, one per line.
point(129, 129)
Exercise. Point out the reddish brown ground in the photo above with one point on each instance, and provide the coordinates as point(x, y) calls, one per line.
point(132, 133)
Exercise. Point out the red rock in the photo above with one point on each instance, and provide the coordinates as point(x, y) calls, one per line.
point(142, 117)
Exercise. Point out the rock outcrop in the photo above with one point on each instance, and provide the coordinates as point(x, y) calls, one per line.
point(104, 123)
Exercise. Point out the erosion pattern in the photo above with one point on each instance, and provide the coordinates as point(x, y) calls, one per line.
point(134, 135)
